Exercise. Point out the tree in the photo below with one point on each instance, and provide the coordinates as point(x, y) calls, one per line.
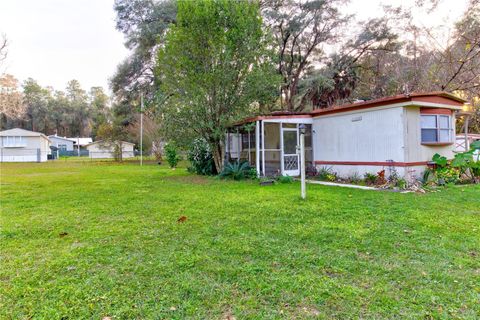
point(99, 108)
point(11, 100)
point(337, 80)
point(36, 101)
point(144, 24)
point(209, 69)
point(80, 122)
point(3, 48)
point(69, 113)
point(152, 135)
point(59, 113)
point(459, 64)
point(112, 135)
point(300, 28)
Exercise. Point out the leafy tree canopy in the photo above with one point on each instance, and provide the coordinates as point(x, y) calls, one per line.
point(212, 70)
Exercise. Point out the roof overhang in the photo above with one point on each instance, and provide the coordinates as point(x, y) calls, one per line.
point(101, 141)
point(432, 99)
point(429, 100)
point(275, 116)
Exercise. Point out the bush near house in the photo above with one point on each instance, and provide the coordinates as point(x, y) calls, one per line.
point(463, 168)
point(238, 171)
point(201, 158)
point(171, 153)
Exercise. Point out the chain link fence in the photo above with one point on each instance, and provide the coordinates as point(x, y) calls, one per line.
point(37, 155)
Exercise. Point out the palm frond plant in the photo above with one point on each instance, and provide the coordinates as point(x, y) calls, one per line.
point(236, 171)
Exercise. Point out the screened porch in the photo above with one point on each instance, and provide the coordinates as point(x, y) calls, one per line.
point(270, 145)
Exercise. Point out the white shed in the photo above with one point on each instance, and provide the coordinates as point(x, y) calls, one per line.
point(105, 150)
point(20, 145)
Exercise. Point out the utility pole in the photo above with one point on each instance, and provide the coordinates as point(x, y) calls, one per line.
point(141, 129)
point(302, 129)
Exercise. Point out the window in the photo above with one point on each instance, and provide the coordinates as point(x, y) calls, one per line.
point(245, 142)
point(62, 147)
point(436, 128)
point(13, 141)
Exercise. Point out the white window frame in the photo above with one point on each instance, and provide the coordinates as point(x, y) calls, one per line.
point(437, 128)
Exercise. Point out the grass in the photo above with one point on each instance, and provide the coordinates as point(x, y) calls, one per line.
point(86, 240)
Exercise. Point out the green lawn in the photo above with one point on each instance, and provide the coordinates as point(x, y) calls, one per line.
point(245, 251)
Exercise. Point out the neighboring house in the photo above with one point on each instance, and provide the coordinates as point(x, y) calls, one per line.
point(101, 149)
point(401, 132)
point(20, 145)
point(80, 144)
point(63, 144)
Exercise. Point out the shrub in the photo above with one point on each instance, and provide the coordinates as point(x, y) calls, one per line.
point(401, 183)
point(354, 178)
point(469, 162)
point(201, 159)
point(370, 178)
point(464, 164)
point(327, 174)
point(447, 175)
point(393, 175)
point(252, 173)
point(285, 179)
point(237, 171)
point(427, 175)
point(171, 154)
point(117, 152)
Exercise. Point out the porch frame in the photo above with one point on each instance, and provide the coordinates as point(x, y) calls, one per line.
point(260, 149)
point(260, 139)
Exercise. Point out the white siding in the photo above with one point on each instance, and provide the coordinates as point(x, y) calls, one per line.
point(105, 151)
point(374, 135)
point(31, 148)
point(362, 136)
point(60, 141)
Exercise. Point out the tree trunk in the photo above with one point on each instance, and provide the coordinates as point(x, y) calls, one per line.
point(218, 155)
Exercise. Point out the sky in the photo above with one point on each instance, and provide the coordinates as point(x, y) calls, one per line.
point(54, 41)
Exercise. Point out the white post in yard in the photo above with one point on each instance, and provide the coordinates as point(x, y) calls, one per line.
point(249, 151)
point(257, 147)
point(264, 171)
point(302, 161)
point(467, 147)
point(238, 145)
point(141, 130)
